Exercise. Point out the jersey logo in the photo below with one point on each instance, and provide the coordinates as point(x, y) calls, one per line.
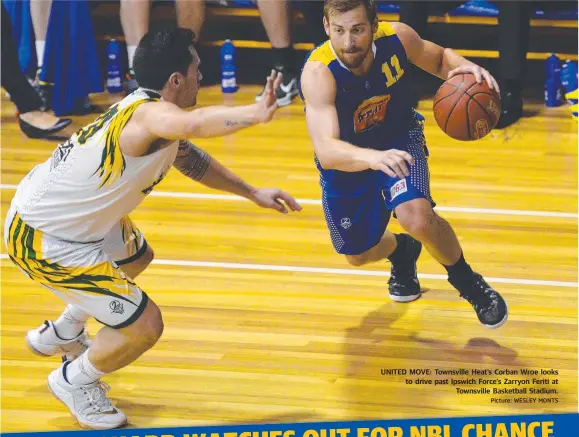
point(370, 113)
point(157, 181)
point(60, 154)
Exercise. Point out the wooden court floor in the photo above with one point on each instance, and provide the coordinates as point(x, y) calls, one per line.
point(266, 324)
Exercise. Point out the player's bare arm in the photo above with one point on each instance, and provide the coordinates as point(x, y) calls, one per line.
point(319, 89)
point(198, 165)
point(166, 120)
point(439, 61)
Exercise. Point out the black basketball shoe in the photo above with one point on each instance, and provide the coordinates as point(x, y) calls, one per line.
point(288, 88)
point(491, 309)
point(403, 285)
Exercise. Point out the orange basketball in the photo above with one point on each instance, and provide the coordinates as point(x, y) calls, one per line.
point(466, 110)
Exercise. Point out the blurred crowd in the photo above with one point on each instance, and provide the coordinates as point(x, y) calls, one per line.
point(33, 82)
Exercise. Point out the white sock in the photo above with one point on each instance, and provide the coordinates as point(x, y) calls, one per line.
point(131, 54)
point(71, 322)
point(40, 52)
point(81, 371)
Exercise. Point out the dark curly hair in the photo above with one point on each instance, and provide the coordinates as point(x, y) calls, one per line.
point(160, 54)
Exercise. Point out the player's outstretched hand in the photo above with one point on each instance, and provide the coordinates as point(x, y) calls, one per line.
point(479, 73)
point(272, 198)
point(268, 104)
point(392, 162)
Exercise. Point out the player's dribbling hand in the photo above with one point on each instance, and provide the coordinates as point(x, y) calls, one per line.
point(268, 104)
point(272, 198)
point(479, 74)
point(392, 162)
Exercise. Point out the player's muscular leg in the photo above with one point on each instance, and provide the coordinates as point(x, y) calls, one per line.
point(113, 349)
point(136, 267)
point(419, 219)
point(377, 253)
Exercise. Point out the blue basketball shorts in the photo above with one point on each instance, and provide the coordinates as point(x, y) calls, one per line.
point(357, 217)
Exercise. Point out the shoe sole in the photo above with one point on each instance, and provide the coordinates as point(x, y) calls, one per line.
point(502, 322)
point(405, 298)
point(81, 424)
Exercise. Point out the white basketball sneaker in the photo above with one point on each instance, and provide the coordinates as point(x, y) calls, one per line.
point(87, 403)
point(45, 341)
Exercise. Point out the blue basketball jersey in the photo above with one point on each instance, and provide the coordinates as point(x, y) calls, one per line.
point(375, 108)
point(374, 111)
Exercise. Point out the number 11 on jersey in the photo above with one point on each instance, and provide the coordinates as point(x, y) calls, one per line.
point(392, 78)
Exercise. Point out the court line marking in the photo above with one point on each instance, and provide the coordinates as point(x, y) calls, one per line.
point(518, 212)
point(334, 271)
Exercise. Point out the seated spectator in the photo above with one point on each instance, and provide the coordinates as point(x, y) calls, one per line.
point(33, 119)
point(513, 41)
point(135, 21)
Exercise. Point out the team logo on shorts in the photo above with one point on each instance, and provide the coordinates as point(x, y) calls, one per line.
point(116, 307)
point(370, 113)
point(398, 188)
point(346, 223)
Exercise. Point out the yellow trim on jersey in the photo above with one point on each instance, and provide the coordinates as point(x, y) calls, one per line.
point(323, 54)
point(113, 163)
point(384, 29)
point(24, 245)
point(85, 133)
point(130, 233)
point(12, 235)
point(25, 250)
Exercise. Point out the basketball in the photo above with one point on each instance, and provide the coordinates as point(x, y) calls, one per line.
point(466, 110)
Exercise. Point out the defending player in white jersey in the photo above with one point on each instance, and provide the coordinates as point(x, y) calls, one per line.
point(68, 226)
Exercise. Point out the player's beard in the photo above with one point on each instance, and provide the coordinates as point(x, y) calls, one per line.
point(353, 60)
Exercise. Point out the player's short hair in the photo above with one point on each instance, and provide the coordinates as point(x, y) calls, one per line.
point(341, 6)
point(160, 54)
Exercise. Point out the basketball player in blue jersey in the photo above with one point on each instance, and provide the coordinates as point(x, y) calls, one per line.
point(371, 153)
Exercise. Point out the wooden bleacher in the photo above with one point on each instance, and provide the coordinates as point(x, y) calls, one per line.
point(472, 36)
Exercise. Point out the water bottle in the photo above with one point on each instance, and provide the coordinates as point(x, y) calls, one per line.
point(228, 80)
point(553, 94)
point(114, 78)
point(569, 82)
point(569, 76)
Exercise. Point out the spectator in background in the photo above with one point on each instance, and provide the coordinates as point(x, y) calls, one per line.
point(514, 30)
point(40, 14)
point(277, 18)
point(513, 42)
point(33, 120)
point(415, 14)
point(135, 22)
